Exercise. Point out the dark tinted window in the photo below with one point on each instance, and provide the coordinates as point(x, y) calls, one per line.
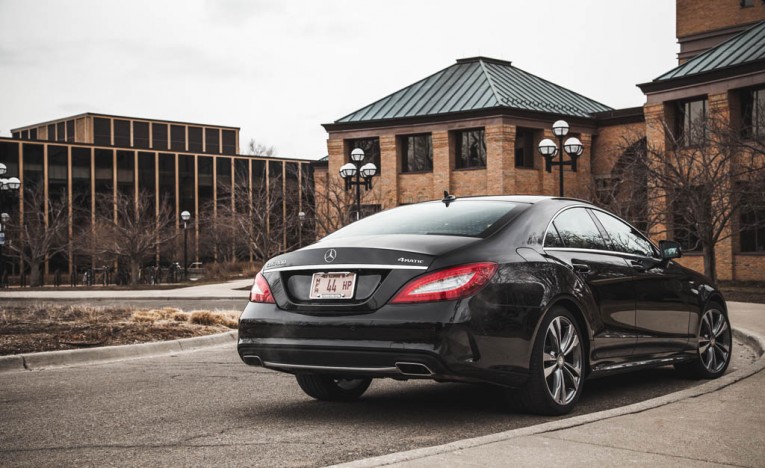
point(552, 239)
point(178, 137)
point(33, 165)
point(470, 149)
point(186, 183)
point(33, 134)
point(416, 153)
point(623, 237)
point(159, 136)
point(141, 134)
point(52, 132)
point(102, 131)
point(70, 130)
point(578, 230)
point(461, 218)
point(122, 133)
point(212, 140)
point(229, 141)
point(60, 131)
point(524, 148)
point(195, 139)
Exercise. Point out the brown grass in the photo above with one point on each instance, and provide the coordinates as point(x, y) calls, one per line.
point(222, 318)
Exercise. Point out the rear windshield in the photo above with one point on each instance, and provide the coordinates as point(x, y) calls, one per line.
point(460, 218)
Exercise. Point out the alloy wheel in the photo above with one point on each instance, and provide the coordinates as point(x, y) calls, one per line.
point(562, 360)
point(714, 340)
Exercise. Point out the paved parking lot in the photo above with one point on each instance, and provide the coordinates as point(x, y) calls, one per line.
point(207, 408)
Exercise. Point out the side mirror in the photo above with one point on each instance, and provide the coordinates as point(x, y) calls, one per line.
point(670, 249)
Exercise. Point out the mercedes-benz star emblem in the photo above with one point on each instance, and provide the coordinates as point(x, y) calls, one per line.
point(330, 256)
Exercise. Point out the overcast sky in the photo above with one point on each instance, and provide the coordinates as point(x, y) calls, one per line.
point(279, 69)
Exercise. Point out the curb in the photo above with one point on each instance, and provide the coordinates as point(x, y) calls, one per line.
point(756, 341)
point(48, 359)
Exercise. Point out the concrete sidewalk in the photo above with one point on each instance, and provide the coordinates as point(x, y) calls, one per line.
point(227, 290)
point(696, 427)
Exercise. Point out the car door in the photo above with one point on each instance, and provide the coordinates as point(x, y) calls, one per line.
point(662, 309)
point(576, 240)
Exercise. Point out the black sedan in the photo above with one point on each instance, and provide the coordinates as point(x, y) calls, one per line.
point(534, 294)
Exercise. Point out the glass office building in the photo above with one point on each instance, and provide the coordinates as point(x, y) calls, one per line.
point(188, 166)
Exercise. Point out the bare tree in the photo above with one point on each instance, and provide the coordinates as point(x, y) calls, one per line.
point(256, 148)
point(135, 232)
point(251, 220)
point(40, 237)
point(696, 183)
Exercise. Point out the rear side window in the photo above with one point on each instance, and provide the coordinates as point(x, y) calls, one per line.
point(466, 218)
point(623, 237)
point(578, 230)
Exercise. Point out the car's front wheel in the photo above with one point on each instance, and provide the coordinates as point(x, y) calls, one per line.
point(557, 366)
point(332, 388)
point(714, 349)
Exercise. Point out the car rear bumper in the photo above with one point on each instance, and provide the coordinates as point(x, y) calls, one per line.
point(433, 341)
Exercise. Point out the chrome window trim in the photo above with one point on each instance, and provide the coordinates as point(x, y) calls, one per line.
point(598, 251)
point(347, 266)
point(611, 252)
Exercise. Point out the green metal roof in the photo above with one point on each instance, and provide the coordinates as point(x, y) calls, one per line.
point(474, 84)
point(744, 48)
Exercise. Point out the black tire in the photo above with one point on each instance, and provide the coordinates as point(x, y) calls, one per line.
point(536, 396)
point(332, 388)
point(713, 352)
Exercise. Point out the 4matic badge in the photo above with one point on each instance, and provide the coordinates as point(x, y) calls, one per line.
point(409, 260)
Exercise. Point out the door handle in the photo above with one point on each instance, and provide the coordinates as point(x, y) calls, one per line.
point(581, 267)
point(638, 265)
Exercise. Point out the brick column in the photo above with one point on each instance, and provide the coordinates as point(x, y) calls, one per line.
point(655, 119)
point(442, 165)
point(500, 159)
point(387, 183)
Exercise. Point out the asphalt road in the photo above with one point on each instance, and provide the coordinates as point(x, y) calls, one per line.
point(206, 408)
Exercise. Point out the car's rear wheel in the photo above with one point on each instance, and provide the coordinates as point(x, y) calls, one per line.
point(557, 367)
point(332, 388)
point(715, 343)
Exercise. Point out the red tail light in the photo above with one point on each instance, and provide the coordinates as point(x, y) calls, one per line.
point(448, 284)
point(260, 291)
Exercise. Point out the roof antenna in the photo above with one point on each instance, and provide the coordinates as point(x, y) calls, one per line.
point(448, 198)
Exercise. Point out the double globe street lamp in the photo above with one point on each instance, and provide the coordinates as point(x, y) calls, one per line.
point(353, 173)
point(548, 149)
point(6, 186)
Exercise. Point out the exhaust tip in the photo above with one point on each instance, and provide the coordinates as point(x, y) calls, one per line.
point(413, 368)
point(253, 360)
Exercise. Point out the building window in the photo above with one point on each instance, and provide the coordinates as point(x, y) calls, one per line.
point(228, 141)
point(195, 139)
point(690, 125)
point(141, 134)
point(212, 140)
point(416, 153)
point(524, 148)
point(178, 137)
point(753, 113)
point(51, 132)
point(122, 133)
point(159, 136)
point(371, 147)
point(752, 230)
point(746, 3)
point(70, 131)
point(102, 131)
point(60, 131)
point(470, 149)
point(685, 220)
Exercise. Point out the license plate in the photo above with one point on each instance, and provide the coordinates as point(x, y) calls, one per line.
point(333, 285)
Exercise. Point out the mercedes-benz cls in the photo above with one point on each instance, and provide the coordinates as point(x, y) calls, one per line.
point(534, 294)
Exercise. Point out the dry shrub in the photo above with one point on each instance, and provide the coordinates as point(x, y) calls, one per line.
point(181, 316)
point(208, 318)
point(146, 316)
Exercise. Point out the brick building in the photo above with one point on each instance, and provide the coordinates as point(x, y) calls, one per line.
point(473, 128)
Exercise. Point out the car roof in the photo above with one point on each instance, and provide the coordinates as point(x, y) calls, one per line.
point(527, 199)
